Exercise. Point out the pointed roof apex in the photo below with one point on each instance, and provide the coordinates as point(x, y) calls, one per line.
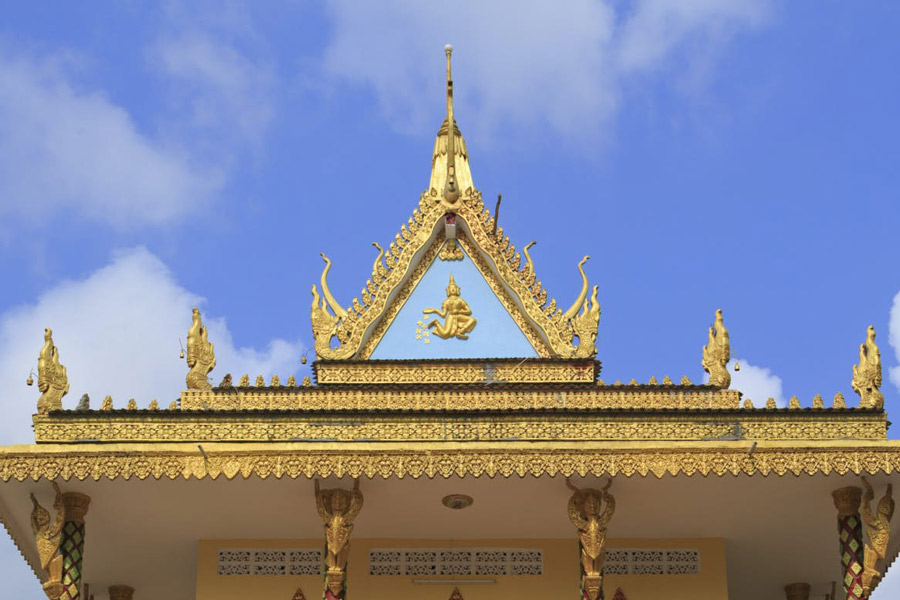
point(450, 174)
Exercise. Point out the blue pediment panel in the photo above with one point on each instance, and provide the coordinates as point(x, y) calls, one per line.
point(416, 332)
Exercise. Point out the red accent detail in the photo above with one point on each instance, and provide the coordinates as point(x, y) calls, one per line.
point(450, 219)
point(299, 595)
point(620, 595)
point(456, 595)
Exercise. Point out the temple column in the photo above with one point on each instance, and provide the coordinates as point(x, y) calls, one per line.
point(121, 592)
point(847, 501)
point(337, 508)
point(71, 545)
point(590, 511)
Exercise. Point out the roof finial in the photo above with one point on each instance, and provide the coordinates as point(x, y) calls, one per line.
point(451, 189)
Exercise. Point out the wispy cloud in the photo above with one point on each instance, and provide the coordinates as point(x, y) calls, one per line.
point(532, 64)
point(65, 149)
point(756, 383)
point(894, 339)
point(118, 333)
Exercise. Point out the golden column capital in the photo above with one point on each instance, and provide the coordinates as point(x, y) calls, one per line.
point(121, 592)
point(847, 500)
point(797, 591)
point(76, 505)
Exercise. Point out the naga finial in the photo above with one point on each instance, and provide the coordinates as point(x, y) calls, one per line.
point(717, 353)
point(583, 324)
point(867, 374)
point(324, 324)
point(53, 381)
point(201, 358)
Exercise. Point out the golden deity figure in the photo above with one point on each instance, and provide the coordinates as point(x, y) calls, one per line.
point(867, 374)
point(47, 537)
point(53, 382)
point(878, 529)
point(201, 357)
point(717, 353)
point(458, 319)
point(590, 511)
point(337, 508)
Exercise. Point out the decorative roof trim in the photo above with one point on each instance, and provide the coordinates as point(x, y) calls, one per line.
point(301, 460)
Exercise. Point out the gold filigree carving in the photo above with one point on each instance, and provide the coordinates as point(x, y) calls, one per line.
point(53, 382)
point(590, 511)
point(878, 530)
point(717, 353)
point(201, 358)
point(451, 251)
point(458, 319)
point(455, 371)
point(337, 508)
point(296, 460)
point(867, 374)
point(47, 535)
point(461, 427)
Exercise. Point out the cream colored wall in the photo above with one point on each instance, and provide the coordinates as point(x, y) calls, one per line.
point(560, 578)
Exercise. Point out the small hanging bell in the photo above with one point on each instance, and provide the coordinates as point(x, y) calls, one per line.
point(181, 354)
point(737, 366)
point(30, 380)
point(302, 360)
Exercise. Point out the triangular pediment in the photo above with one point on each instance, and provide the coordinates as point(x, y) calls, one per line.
point(476, 323)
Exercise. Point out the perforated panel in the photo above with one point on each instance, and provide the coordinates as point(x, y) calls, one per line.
point(455, 561)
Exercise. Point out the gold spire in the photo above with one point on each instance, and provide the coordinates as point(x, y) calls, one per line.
point(450, 174)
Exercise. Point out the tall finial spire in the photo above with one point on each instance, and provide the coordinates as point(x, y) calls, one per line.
point(451, 188)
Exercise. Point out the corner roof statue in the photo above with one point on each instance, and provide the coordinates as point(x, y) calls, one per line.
point(463, 401)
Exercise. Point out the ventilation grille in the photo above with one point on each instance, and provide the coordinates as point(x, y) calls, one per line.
point(650, 561)
point(237, 561)
point(455, 561)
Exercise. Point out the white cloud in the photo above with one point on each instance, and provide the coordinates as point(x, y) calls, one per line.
point(66, 149)
point(757, 383)
point(531, 63)
point(218, 88)
point(894, 338)
point(117, 332)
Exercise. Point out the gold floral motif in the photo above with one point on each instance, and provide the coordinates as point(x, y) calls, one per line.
point(456, 371)
point(867, 374)
point(296, 460)
point(451, 251)
point(483, 398)
point(467, 427)
point(53, 382)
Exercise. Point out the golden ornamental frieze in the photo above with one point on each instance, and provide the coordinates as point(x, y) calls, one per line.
point(492, 397)
point(468, 428)
point(295, 461)
point(453, 372)
point(343, 332)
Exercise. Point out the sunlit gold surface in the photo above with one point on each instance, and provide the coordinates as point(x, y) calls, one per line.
point(337, 508)
point(590, 511)
point(455, 371)
point(867, 374)
point(878, 530)
point(47, 533)
point(458, 319)
point(717, 353)
point(53, 382)
point(201, 358)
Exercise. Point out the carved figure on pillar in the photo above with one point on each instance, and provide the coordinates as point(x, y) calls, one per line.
point(717, 353)
point(867, 374)
point(590, 511)
point(878, 529)
point(53, 382)
point(337, 508)
point(200, 355)
point(47, 535)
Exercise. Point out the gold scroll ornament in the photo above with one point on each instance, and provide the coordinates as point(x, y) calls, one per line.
point(590, 511)
point(200, 355)
point(878, 529)
point(867, 374)
point(717, 353)
point(458, 319)
point(53, 382)
point(337, 508)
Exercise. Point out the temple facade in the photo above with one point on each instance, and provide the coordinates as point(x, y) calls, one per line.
point(456, 440)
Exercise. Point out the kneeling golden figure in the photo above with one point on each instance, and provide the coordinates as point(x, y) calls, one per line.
point(458, 319)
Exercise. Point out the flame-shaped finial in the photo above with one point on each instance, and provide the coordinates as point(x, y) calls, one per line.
point(451, 189)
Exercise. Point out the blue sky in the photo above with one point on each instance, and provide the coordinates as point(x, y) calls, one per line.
point(738, 155)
